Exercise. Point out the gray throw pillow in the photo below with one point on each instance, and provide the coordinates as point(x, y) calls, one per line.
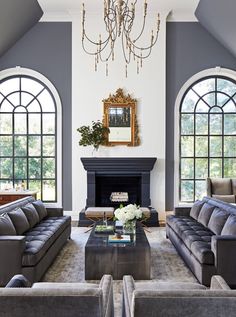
point(40, 208)
point(196, 208)
point(31, 214)
point(6, 226)
point(19, 220)
point(205, 214)
point(217, 221)
point(230, 226)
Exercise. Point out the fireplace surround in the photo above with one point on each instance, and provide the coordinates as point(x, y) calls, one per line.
point(118, 174)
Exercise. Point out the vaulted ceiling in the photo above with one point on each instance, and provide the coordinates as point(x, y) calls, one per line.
point(217, 16)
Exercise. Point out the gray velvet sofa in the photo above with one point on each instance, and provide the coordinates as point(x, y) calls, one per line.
point(57, 299)
point(222, 189)
point(166, 299)
point(30, 238)
point(205, 237)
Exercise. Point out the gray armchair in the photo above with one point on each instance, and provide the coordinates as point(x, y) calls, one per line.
point(18, 299)
point(166, 299)
point(222, 188)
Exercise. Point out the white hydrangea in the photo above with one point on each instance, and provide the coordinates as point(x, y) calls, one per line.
point(127, 213)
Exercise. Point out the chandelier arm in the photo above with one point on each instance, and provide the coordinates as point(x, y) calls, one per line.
point(96, 43)
point(146, 47)
point(97, 52)
point(127, 60)
point(105, 59)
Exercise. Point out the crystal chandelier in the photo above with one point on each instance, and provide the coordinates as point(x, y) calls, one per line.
point(119, 16)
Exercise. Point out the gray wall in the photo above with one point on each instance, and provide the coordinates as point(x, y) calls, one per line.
point(190, 49)
point(46, 48)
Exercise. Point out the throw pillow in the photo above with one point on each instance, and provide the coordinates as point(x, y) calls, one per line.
point(31, 214)
point(19, 220)
point(196, 208)
point(205, 214)
point(217, 220)
point(230, 226)
point(6, 226)
point(40, 208)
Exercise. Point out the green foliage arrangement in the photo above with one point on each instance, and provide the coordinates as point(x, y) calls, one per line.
point(95, 135)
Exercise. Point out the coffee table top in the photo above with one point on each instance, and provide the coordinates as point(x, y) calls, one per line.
point(100, 240)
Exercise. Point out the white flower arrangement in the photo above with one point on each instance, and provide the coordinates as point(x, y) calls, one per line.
point(128, 213)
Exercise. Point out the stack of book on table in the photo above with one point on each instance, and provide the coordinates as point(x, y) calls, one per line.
point(124, 238)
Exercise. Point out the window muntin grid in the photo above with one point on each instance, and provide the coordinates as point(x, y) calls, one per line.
point(207, 146)
point(28, 143)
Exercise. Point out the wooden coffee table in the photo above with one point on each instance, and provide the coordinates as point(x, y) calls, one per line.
point(117, 259)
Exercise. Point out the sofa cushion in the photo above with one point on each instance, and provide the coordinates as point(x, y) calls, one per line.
point(41, 237)
point(155, 286)
point(205, 214)
point(230, 226)
point(202, 251)
point(221, 186)
point(31, 214)
point(196, 208)
point(217, 220)
point(40, 208)
point(6, 226)
point(56, 285)
point(226, 198)
point(19, 220)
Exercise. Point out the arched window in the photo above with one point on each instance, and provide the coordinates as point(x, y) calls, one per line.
point(28, 134)
point(207, 134)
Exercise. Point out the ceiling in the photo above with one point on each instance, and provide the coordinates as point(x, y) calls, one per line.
point(63, 6)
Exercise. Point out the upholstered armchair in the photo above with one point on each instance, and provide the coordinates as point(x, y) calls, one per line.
point(21, 298)
point(222, 188)
point(169, 299)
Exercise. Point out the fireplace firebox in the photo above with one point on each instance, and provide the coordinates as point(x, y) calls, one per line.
point(128, 186)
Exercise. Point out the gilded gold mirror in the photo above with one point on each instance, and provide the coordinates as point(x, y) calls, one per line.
point(120, 118)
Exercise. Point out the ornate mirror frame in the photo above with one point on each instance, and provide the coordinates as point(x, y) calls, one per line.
point(119, 115)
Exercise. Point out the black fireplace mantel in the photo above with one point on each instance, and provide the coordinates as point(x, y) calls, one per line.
point(118, 166)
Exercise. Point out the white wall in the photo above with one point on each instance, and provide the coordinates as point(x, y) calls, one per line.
point(89, 88)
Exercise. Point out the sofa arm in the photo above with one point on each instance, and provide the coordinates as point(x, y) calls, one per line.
point(55, 211)
point(128, 289)
point(218, 283)
point(224, 249)
point(106, 284)
point(182, 211)
point(11, 250)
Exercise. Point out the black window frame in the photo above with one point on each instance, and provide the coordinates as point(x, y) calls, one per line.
point(42, 179)
point(208, 135)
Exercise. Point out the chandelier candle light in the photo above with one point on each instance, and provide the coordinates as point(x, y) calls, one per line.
point(119, 16)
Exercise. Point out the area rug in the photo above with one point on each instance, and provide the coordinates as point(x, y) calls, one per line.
point(166, 265)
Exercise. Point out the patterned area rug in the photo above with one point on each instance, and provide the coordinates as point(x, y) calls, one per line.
point(166, 265)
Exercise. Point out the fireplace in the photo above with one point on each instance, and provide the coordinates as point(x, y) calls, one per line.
point(114, 175)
